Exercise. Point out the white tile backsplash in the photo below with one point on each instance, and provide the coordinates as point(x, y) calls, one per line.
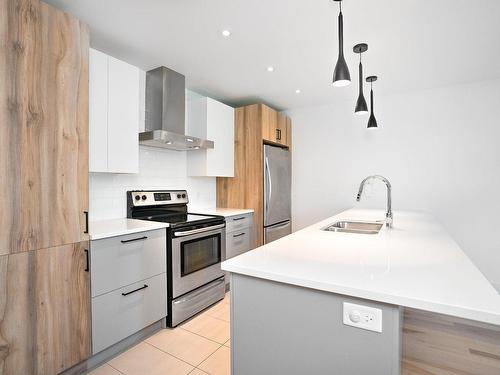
point(158, 169)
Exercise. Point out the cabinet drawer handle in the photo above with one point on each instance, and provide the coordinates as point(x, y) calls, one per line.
point(135, 239)
point(238, 218)
point(87, 262)
point(86, 213)
point(238, 235)
point(135, 290)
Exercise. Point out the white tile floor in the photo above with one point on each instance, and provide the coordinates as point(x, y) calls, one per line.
point(199, 346)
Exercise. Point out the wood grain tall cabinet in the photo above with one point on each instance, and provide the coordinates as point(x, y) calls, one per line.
point(255, 125)
point(44, 283)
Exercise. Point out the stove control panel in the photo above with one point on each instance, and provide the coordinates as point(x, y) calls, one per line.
point(158, 197)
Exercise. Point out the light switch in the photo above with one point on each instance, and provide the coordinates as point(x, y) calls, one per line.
point(363, 317)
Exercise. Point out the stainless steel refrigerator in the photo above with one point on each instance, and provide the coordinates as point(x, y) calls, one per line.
point(277, 193)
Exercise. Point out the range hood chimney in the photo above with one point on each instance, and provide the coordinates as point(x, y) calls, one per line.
point(165, 113)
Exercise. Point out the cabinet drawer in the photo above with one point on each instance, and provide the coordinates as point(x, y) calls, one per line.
point(123, 312)
point(238, 242)
point(238, 222)
point(123, 260)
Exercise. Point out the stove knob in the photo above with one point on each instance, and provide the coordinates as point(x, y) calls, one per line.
point(144, 197)
point(183, 195)
point(137, 197)
point(179, 196)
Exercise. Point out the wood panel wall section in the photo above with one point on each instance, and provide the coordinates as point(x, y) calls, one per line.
point(254, 125)
point(44, 285)
point(44, 310)
point(43, 127)
point(435, 344)
point(245, 189)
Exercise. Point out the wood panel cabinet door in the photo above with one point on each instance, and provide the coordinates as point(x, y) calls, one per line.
point(269, 118)
point(281, 130)
point(43, 127)
point(274, 126)
point(288, 139)
point(44, 310)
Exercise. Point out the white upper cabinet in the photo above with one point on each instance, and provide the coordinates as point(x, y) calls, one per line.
point(123, 117)
point(98, 111)
point(114, 115)
point(209, 119)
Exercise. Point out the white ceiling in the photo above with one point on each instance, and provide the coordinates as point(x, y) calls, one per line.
point(412, 44)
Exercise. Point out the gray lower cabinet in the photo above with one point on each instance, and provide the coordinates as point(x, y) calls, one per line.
point(238, 242)
point(237, 222)
point(122, 312)
point(278, 328)
point(238, 236)
point(123, 260)
point(129, 285)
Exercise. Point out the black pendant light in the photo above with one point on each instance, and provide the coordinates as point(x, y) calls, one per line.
point(361, 107)
point(372, 122)
point(341, 76)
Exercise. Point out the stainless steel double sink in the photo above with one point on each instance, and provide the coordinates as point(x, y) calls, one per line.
point(361, 227)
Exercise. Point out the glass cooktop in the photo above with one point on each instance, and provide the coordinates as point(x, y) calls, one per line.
point(180, 218)
point(175, 219)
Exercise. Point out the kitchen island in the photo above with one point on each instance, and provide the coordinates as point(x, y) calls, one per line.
point(288, 303)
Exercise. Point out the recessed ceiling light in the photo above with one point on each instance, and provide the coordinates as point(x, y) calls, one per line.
point(226, 33)
point(270, 69)
point(297, 91)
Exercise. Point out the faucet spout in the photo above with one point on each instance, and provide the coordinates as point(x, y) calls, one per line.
point(388, 216)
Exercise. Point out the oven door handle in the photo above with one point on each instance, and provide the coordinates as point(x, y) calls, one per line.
point(201, 290)
point(196, 231)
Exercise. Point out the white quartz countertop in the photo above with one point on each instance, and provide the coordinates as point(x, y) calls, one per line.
point(416, 264)
point(226, 212)
point(118, 227)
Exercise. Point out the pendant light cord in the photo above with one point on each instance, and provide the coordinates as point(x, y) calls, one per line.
point(371, 97)
point(360, 75)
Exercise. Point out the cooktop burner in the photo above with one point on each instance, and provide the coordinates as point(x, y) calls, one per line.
point(174, 219)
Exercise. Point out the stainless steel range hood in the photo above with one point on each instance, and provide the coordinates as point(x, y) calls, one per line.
point(165, 113)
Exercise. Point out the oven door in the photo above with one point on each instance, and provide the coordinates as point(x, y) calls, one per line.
point(196, 257)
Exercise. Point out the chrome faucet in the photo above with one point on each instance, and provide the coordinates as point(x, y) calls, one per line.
point(388, 215)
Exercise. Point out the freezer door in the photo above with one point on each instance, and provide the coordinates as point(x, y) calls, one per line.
point(277, 231)
point(277, 185)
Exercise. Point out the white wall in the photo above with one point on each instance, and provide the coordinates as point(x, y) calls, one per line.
point(440, 149)
point(158, 169)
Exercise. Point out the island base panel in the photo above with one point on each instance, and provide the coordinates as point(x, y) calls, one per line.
point(283, 329)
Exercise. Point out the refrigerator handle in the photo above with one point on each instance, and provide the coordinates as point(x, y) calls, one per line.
point(269, 184)
point(282, 225)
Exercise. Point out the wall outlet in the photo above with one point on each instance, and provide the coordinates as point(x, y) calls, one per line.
point(363, 317)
